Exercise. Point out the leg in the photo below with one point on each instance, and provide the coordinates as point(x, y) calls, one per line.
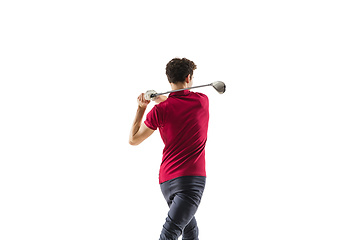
point(183, 195)
point(181, 213)
point(191, 231)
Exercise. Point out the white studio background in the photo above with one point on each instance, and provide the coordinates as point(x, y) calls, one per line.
point(283, 144)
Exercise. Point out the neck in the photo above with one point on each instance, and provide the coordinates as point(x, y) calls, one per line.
point(178, 85)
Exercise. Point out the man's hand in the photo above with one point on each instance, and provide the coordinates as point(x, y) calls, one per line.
point(141, 101)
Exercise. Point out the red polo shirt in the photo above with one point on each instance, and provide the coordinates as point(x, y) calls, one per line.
point(183, 124)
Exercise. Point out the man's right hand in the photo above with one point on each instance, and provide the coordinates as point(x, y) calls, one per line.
point(142, 102)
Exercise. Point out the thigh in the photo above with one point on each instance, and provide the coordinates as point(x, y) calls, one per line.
point(192, 186)
point(166, 191)
point(183, 208)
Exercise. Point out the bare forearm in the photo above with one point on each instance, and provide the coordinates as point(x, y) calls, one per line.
point(137, 121)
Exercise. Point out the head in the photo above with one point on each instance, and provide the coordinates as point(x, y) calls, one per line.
point(180, 71)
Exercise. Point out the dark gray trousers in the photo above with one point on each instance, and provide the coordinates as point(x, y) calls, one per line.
point(183, 195)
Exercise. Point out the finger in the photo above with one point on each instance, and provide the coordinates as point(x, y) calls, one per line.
point(142, 97)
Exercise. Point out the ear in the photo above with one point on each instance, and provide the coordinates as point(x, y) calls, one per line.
point(188, 79)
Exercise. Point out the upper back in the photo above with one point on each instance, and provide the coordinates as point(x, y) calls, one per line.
point(186, 118)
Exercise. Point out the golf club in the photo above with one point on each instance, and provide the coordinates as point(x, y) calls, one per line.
point(219, 86)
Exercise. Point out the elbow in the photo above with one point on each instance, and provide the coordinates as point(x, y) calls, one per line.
point(132, 142)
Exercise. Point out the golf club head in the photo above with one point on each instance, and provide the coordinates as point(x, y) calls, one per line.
point(219, 86)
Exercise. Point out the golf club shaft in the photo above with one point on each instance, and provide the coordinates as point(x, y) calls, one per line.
point(182, 89)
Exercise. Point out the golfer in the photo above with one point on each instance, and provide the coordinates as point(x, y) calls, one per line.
point(182, 120)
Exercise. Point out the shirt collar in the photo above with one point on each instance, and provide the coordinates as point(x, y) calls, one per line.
point(180, 93)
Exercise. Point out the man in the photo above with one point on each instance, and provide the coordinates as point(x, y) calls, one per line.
point(182, 120)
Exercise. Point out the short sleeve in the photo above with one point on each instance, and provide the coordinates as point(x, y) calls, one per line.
point(154, 118)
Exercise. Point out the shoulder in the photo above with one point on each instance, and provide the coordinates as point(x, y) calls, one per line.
point(201, 96)
point(162, 105)
point(160, 108)
point(201, 99)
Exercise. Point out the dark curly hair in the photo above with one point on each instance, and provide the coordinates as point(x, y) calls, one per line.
point(178, 69)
